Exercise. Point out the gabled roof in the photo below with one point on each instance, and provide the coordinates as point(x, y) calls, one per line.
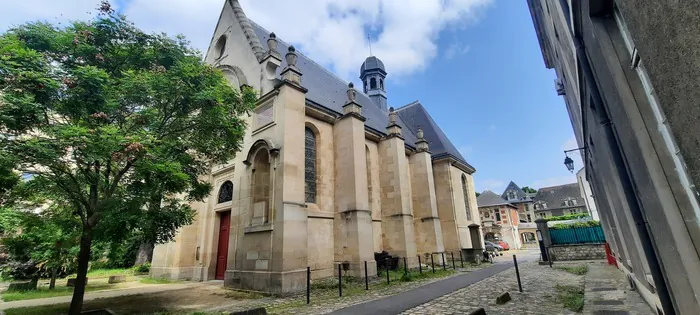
point(489, 198)
point(415, 116)
point(556, 195)
point(519, 193)
point(327, 90)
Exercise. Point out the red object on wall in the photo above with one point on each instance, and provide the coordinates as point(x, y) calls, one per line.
point(609, 255)
point(222, 250)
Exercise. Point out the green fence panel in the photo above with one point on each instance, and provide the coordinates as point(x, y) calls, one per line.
point(582, 235)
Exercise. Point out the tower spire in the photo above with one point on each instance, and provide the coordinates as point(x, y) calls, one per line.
point(369, 42)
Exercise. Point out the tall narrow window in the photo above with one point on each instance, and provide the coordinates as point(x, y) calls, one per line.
point(369, 176)
point(261, 187)
point(310, 165)
point(372, 83)
point(466, 197)
point(381, 84)
point(226, 192)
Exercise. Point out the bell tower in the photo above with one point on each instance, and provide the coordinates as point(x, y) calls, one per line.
point(372, 74)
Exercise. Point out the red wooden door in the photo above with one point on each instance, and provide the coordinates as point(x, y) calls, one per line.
point(222, 250)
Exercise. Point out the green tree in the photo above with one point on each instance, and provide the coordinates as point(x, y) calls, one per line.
point(104, 116)
point(529, 190)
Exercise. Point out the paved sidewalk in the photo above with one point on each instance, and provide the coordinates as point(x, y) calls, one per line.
point(401, 302)
point(607, 292)
point(152, 288)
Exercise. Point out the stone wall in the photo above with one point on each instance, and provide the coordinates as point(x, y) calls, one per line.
point(577, 252)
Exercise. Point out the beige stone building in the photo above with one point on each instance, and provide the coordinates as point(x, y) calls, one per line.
point(327, 177)
point(499, 219)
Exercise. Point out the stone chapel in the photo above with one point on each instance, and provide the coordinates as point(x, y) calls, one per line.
point(328, 176)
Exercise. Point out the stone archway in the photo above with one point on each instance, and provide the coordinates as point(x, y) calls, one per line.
point(528, 238)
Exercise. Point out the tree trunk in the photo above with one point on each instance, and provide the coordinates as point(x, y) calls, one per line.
point(76, 303)
point(145, 253)
point(52, 284)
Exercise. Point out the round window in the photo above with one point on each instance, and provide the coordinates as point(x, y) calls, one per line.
point(220, 46)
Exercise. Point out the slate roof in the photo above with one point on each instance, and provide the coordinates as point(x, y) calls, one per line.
point(490, 198)
point(556, 195)
point(519, 193)
point(329, 91)
point(372, 63)
point(415, 115)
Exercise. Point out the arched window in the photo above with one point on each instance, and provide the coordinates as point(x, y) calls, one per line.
point(466, 196)
point(381, 84)
point(372, 83)
point(220, 47)
point(369, 176)
point(261, 186)
point(226, 192)
point(310, 165)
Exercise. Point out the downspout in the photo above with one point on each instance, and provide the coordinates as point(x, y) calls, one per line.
point(636, 211)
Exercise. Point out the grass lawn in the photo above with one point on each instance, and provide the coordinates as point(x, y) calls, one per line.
point(571, 296)
point(149, 280)
point(44, 292)
point(577, 270)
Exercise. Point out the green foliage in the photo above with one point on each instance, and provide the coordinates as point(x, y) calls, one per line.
point(577, 270)
point(143, 268)
point(572, 216)
point(116, 126)
point(571, 296)
point(529, 190)
point(583, 224)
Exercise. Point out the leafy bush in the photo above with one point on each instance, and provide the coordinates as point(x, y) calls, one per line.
point(571, 296)
point(144, 268)
point(572, 216)
point(583, 224)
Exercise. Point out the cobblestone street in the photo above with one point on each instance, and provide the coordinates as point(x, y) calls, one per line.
point(539, 296)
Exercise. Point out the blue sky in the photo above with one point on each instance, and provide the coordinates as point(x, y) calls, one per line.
point(475, 64)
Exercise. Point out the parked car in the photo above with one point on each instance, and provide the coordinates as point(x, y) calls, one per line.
point(491, 246)
point(503, 244)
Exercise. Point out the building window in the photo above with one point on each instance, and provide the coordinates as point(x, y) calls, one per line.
point(381, 84)
point(261, 187)
point(220, 47)
point(529, 218)
point(497, 215)
point(369, 177)
point(226, 192)
point(372, 83)
point(466, 197)
point(310, 165)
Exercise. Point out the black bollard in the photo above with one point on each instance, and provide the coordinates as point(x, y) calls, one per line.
point(432, 261)
point(308, 285)
point(461, 261)
point(366, 278)
point(340, 280)
point(444, 266)
point(453, 260)
point(420, 266)
point(387, 271)
point(549, 255)
point(405, 266)
point(517, 273)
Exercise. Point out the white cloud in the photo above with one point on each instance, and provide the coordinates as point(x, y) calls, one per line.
point(494, 185)
point(456, 49)
point(331, 32)
point(17, 12)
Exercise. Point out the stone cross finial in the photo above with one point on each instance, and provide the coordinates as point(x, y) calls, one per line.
point(421, 144)
point(272, 42)
point(291, 57)
point(392, 116)
point(352, 94)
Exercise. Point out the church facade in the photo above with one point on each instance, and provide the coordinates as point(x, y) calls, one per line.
point(328, 176)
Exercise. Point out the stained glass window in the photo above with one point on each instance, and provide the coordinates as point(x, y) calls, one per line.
point(310, 165)
point(466, 196)
point(226, 192)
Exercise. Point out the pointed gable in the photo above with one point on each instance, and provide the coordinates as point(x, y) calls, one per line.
point(520, 195)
